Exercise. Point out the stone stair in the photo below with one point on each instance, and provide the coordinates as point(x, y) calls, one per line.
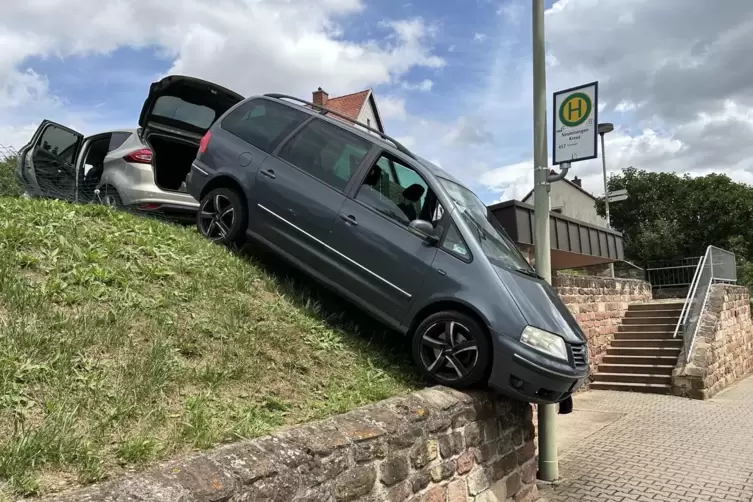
point(643, 352)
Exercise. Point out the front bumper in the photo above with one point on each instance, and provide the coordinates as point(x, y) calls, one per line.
point(526, 374)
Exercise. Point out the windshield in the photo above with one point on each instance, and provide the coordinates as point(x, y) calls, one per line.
point(490, 235)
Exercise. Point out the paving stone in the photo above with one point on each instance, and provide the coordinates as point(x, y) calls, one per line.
point(663, 448)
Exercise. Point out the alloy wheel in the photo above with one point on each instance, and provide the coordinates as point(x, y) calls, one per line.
point(448, 350)
point(216, 217)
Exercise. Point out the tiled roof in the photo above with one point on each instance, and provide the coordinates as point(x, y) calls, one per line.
point(349, 105)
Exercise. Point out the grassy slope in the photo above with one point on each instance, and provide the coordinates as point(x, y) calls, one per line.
point(124, 340)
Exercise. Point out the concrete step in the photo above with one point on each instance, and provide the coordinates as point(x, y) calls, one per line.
point(656, 306)
point(632, 378)
point(645, 369)
point(650, 320)
point(653, 313)
point(633, 335)
point(642, 328)
point(643, 351)
point(648, 388)
point(649, 343)
point(628, 359)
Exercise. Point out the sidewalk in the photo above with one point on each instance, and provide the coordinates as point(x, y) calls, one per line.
point(619, 446)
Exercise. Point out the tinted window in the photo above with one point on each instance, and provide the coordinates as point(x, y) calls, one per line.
point(326, 152)
point(117, 139)
point(262, 123)
point(175, 108)
point(398, 192)
point(56, 145)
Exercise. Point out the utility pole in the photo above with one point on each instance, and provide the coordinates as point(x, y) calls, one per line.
point(547, 413)
point(603, 130)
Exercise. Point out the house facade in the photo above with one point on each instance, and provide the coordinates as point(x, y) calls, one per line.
point(568, 198)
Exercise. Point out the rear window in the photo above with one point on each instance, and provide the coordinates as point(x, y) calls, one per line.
point(263, 123)
point(175, 108)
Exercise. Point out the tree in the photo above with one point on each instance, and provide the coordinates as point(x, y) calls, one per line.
point(668, 216)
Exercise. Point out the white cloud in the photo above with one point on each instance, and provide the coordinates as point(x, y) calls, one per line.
point(625, 106)
point(391, 107)
point(424, 86)
point(468, 131)
point(250, 46)
point(479, 37)
point(512, 11)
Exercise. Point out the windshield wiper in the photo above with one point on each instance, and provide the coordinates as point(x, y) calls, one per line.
point(528, 272)
point(476, 226)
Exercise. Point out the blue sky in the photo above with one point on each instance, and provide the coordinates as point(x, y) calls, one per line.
point(452, 79)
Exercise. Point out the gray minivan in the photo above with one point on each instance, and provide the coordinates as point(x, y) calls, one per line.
point(388, 231)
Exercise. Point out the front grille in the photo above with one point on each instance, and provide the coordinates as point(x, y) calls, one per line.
point(580, 355)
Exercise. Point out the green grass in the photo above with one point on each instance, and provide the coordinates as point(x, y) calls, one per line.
point(125, 340)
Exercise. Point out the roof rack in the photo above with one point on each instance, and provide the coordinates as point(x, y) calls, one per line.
point(326, 111)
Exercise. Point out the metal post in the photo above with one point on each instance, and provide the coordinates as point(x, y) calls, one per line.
point(547, 414)
point(606, 193)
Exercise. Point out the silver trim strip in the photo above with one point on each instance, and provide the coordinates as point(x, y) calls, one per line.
point(334, 250)
point(199, 169)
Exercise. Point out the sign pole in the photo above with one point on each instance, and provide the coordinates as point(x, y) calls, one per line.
point(547, 437)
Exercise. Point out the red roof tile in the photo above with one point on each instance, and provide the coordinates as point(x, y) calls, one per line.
point(349, 105)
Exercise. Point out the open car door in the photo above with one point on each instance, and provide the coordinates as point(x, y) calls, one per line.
point(47, 165)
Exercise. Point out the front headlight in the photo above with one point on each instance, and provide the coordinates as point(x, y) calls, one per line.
point(545, 342)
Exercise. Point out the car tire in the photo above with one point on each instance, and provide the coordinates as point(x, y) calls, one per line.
point(453, 349)
point(223, 217)
point(110, 197)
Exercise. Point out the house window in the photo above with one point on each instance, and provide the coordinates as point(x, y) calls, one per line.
point(368, 122)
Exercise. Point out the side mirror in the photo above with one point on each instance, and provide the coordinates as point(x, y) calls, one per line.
point(425, 230)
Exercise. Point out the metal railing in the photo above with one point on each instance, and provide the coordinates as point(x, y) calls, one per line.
point(716, 266)
point(672, 273)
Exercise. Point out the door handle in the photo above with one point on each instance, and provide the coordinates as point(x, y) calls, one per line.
point(269, 173)
point(349, 219)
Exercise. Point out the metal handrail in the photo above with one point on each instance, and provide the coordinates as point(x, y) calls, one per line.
point(726, 273)
point(691, 292)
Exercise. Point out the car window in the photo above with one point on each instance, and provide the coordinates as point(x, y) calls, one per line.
point(326, 152)
point(175, 108)
point(117, 139)
point(56, 145)
point(262, 123)
point(399, 193)
point(454, 243)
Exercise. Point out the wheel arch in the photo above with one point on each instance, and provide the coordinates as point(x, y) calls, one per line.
point(447, 304)
point(224, 181)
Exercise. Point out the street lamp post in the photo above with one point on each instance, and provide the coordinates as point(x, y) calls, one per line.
point(605, 129)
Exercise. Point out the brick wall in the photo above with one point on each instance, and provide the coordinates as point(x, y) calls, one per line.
point(436, 445)
point(598, 304)
point(723, 348)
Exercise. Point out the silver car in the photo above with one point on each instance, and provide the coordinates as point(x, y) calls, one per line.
point(118, 168)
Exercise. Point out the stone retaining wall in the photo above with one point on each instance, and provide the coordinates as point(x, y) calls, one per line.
point(723, 348)
point(598, 304)
point(436, 445)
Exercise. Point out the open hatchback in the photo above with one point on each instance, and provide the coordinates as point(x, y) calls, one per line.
point(177, 113)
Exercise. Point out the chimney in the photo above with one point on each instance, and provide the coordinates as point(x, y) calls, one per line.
point(320, 97)
point(578, 181)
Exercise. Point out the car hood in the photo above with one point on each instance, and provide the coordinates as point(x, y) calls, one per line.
point(541, 306)
point(186, 103)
